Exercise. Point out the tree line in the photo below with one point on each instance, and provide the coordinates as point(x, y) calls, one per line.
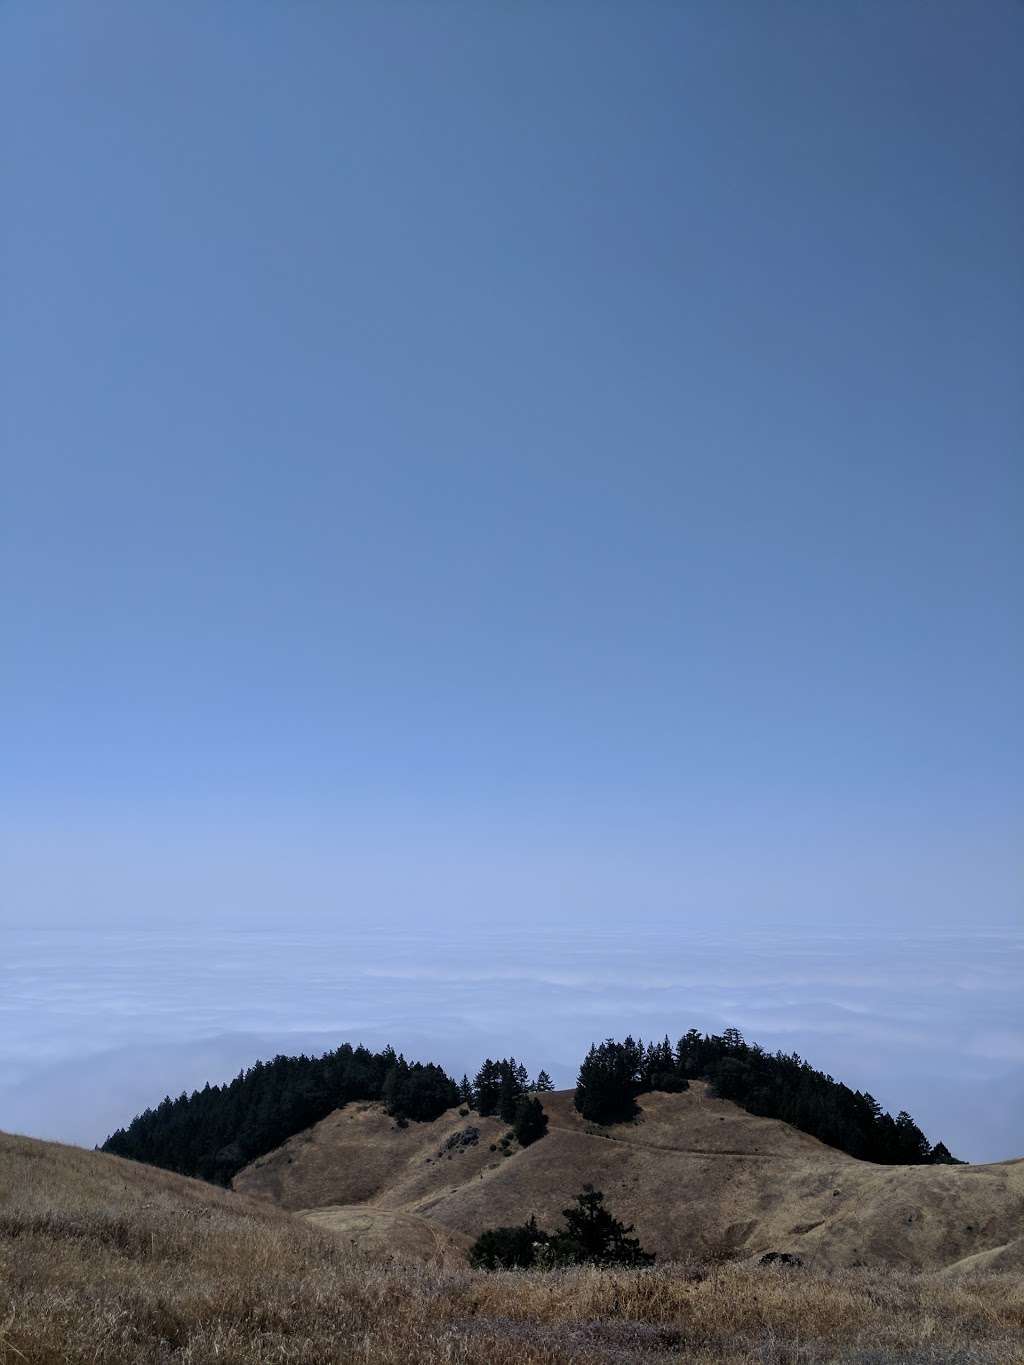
point(214, 1132)
point(772, 1085)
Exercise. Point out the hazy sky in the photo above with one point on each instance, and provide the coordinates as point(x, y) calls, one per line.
point(510, 460)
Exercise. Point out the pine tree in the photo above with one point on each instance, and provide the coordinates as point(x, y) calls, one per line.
point(608, 1082)
point(509, 1090)
point(530, 1122)
point(543, 1083)
point(486, 1088)
point(593, 1236)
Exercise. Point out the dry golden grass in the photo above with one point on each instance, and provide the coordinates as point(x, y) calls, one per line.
point(102, 1261)
point(696, 1175)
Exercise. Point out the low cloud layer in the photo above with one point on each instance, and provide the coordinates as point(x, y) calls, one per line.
point(98, 1025)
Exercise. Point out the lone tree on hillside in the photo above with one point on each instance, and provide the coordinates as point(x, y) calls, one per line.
point(591, 1236)
point(543, 1083)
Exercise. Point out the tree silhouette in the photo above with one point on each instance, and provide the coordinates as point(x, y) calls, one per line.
point(592, 1235)
point(530, 1122)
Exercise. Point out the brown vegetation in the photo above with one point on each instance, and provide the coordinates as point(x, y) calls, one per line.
point(104, 1261)
point(698, 1177)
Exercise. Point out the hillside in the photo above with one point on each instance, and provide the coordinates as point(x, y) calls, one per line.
point(109, 1262)
point(697, 1175)
point(217, 1131)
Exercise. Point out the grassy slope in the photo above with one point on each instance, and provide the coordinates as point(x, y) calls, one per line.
point(103, 1261)
point(698, 1177)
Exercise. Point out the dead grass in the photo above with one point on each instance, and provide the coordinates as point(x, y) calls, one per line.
point(105, 1262)
point(739, 1186)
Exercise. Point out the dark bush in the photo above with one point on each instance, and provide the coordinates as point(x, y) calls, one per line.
point(591, 1236)
point(507, 1248)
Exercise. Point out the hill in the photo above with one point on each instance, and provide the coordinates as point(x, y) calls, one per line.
point(214, 1132)
point(110, 1262)
point(699, 1177)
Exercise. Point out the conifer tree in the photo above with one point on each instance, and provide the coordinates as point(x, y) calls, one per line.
point(486, 1088)
point(593, 1236)
point(530, 1122)
point(509, 1090)
point(607, 1082)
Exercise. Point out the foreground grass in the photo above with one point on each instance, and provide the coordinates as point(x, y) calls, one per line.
point(102, 1261)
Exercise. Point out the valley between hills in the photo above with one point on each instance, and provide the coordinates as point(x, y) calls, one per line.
point(412, 1223)
point(699, 1178)
point(347, 1244)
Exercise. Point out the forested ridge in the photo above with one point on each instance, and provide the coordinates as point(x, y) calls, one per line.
point(214, 1132)
point(773, 1085)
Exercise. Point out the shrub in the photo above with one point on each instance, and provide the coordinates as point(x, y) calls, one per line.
point(591, 1236)
point(507, 1248)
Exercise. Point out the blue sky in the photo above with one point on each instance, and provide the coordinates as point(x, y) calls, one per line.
point(532, 460)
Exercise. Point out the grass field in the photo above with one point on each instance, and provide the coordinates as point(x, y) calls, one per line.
point(103, 1261)
point(698, 1176)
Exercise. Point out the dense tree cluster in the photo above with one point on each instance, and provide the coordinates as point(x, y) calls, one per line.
point(772, 1085)
point(498, 1088)
point(417, 1090)
point(214, 1132)
point(613, 1074)
point(590, 1236)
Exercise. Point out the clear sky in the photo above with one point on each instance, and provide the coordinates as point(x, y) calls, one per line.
point(546, 459)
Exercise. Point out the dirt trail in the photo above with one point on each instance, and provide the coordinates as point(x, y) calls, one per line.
point(669, 1147)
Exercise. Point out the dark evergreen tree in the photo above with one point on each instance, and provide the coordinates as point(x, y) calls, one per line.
point(593, 1236)
point(942, 1156)
point(530, 1122)
point(608, 1082)
point(543, 1083)
point(418, 1092)
point(507, 1248)
point(487, 1087)
point(509, 1090)
point(465, 1091)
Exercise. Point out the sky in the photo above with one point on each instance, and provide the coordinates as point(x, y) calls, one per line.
point(498, 465)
